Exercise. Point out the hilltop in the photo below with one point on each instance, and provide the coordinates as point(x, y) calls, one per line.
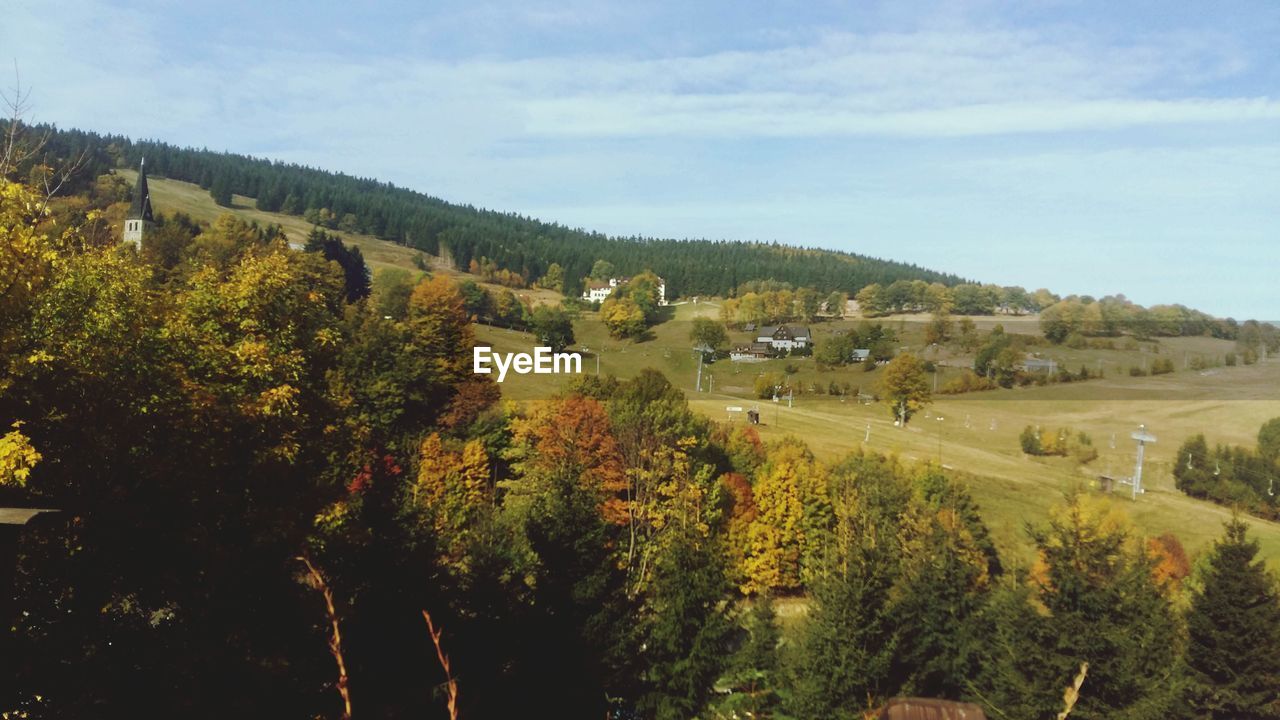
point(463, 233)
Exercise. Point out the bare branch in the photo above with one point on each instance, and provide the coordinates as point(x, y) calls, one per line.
point(451, 684)
point(335, 642)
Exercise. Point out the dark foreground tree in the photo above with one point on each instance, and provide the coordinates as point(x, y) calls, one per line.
point(1233, 628)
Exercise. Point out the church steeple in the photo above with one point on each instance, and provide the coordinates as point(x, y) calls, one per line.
point(139, 219)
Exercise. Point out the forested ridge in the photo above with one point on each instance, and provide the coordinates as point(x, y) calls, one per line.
point(464, 233)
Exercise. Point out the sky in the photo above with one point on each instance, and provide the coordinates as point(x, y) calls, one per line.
point(1087, 147)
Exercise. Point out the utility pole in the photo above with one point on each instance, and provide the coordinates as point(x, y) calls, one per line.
point(699, 372)
point(939, 418)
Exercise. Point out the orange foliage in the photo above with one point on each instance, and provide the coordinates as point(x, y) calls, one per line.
point(571, 436)
point(1171, 563)
point(473, 397)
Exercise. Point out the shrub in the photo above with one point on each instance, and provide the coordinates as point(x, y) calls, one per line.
point(1030, 440)
point(766, 383)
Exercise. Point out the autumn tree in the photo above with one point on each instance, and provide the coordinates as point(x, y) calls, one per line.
point(905, 386)
point(623, 317)
point(794, 516)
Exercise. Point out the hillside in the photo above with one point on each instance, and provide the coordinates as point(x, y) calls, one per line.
point(977, 433)
point(464, 233)
point(175, 196)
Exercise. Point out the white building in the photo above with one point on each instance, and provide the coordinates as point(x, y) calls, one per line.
point(596, 291)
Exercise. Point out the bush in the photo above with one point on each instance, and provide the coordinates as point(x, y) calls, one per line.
point(1030, 440)
point(967, 382)
point(1136, 371)
point(1231, 359)
point(1162, 366)
point(767, 383)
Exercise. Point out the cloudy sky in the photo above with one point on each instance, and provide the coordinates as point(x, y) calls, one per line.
point(1088, 147)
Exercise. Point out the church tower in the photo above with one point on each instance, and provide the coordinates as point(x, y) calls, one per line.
point(139, 220)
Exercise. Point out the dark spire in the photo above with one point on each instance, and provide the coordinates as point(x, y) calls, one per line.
point(141, 208)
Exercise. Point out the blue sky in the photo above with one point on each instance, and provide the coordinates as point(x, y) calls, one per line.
point(1087, 147)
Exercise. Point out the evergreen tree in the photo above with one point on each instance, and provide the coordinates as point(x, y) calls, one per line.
point(753, 667)
point(689, 630)
point(1103, 607)
point(220, 189)
point(1233, 629)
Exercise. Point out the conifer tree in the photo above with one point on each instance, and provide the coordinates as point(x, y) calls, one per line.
point(1233, 628)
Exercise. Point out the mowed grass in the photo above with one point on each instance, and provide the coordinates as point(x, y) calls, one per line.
point(977, 435)
point(174, 196)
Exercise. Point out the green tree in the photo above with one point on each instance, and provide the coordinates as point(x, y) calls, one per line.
point(221, 190)
point(603, 270)
point(1101, 605)
point(841, 666)
point(1269, 440)
point(552, 327)
point(1233, 628)
point(708, 334)
point(553, 279)
point(906, 386)
point(687, 638)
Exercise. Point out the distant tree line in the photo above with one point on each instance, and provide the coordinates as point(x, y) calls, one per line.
point(524, 246)
point(1232, 475)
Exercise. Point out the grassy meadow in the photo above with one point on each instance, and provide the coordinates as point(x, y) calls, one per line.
point(975, 434)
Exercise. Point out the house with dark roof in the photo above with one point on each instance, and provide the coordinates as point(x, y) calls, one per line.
point(784, 337)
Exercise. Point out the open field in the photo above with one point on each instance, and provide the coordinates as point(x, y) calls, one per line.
point(978, 432)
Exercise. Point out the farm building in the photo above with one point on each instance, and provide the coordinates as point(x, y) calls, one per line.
point(754, 351)
point(784, 337)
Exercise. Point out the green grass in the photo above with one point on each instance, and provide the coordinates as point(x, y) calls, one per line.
point(174, 196)
point(978, 435)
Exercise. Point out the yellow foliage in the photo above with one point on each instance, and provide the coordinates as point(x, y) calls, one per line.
point(17, 457)
point(452, 488)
